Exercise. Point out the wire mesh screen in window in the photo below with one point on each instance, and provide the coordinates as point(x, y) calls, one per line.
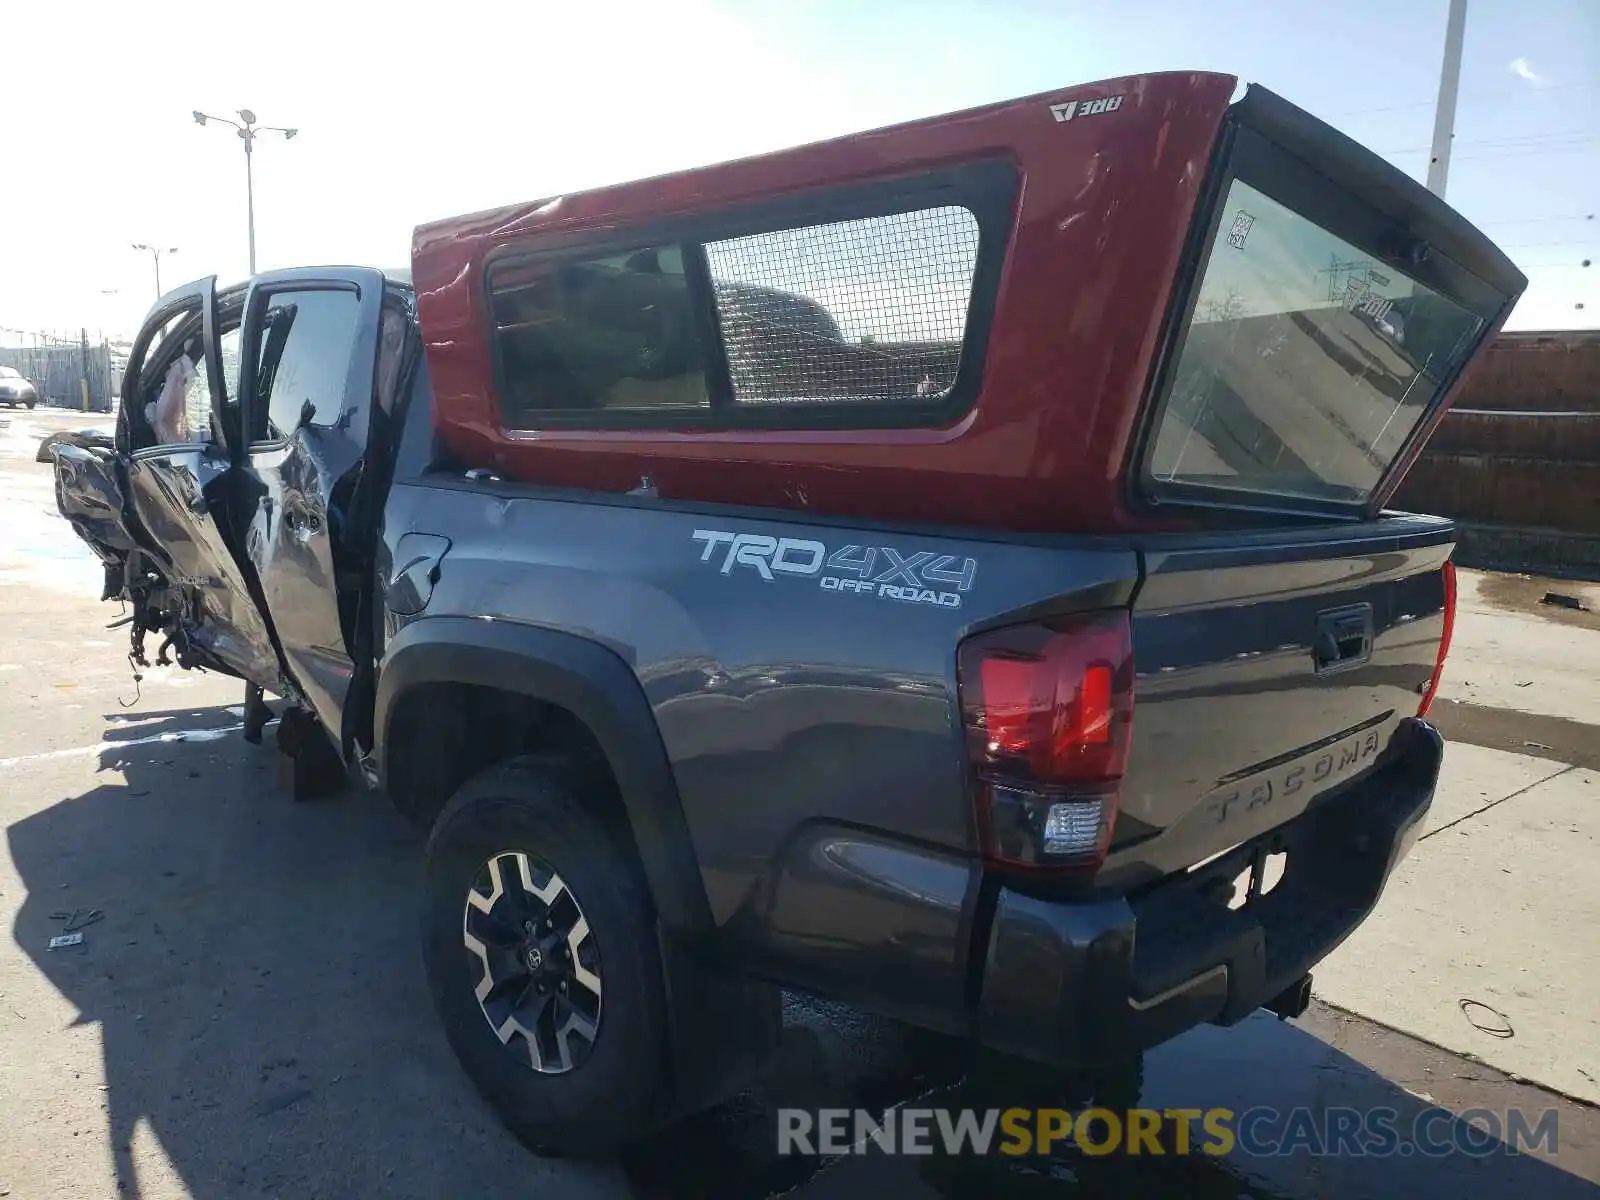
point(870, 310)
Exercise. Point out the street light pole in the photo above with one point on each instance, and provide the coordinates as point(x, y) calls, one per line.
point(250, 192)
point(248, 131)
point(155, 253)
point(1444, 112)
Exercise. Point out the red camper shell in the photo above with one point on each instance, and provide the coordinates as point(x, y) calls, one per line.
point(1103, 308)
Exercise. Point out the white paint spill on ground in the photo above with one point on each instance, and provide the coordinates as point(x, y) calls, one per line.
point(177, 735)
point(37, 547)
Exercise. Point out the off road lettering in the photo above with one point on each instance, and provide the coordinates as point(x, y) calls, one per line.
point(880, 572)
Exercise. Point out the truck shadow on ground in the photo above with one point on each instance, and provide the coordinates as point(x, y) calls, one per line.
point(263, 1011)
point(256, 979)
point(1274, 1077)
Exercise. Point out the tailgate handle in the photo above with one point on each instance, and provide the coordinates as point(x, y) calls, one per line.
point(1344, 638)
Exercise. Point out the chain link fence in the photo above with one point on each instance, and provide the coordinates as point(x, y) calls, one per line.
point(69, 370)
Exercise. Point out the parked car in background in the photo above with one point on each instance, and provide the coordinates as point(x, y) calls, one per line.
point(15, 388)
point(83, 439)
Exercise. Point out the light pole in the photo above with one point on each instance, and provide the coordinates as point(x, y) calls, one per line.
point(248, 131)
point(155, 253)
point(1444, 112)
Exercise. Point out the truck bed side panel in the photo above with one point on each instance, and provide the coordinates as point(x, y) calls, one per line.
point(809, 715)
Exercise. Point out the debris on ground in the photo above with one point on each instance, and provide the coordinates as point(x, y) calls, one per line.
point(72, 932)
point(1497, 1025)
point(1563, 600)
point(77, 919)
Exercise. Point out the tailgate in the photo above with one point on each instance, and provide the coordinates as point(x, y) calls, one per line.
point(1273, 669)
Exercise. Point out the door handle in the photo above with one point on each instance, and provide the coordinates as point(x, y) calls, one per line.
point(1343, 638)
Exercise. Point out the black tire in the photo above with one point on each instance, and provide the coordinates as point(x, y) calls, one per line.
point(616, 1095)
point(30, 404)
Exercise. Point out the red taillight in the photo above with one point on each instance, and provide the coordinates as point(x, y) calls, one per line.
point(1048, 709)
point(1444, 638)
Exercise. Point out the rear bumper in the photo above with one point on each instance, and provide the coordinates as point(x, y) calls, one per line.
point(1077, 983)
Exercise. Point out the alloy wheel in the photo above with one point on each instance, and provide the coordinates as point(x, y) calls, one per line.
point(538, 965)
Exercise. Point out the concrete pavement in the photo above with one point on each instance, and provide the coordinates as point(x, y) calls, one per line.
point(1499, 903)
point(1493, 923)
point(1511, 653)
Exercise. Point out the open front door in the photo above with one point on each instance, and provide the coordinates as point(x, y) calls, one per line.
point(308, 360)
point(171, 441)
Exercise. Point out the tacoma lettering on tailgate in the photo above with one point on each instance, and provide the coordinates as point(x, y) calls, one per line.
point(1316, 771)
point(879, 572)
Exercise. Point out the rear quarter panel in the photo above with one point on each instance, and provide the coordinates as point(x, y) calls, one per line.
point(814, 733)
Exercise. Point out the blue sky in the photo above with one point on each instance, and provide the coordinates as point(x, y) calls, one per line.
point(496, 102)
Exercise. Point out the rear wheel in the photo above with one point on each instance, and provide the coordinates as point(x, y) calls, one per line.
point(539, 942)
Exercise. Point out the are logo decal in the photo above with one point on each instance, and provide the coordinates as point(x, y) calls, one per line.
point(880, 572)
point(1085, 108)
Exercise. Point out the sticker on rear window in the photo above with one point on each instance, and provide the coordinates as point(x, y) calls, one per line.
point(1243, 223)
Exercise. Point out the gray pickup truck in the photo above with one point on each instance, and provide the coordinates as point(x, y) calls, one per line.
point(944, 570)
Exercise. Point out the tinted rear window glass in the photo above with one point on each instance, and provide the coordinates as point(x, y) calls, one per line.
point(868, 313)
point(304, 350)
point(612, 332)
point(1306, 365)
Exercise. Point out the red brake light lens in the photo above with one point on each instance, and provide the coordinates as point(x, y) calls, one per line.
point(1444, 638)
point(1048, 709)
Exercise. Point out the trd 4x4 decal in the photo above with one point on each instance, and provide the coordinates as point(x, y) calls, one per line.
point(882, 572)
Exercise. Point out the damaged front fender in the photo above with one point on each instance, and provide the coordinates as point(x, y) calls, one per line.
point(168, 562)
point(92, 496)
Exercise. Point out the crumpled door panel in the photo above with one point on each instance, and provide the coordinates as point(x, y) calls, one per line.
point(288, 541)
point(220, 618)
point(90, 495)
